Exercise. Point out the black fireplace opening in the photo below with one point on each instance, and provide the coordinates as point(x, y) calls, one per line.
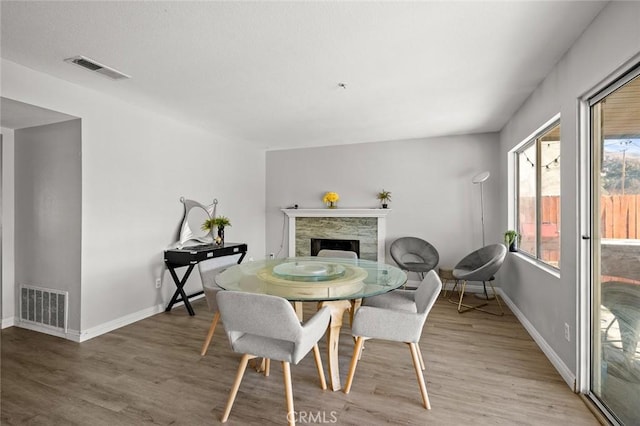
point(318, 244)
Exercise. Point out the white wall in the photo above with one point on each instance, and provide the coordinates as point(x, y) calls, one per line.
point(546, 300)
point(135, 166)
point(48, 173)
point(8, 217)
point(430, 180)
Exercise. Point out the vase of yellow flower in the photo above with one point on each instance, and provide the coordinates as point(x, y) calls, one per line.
point(331, 199)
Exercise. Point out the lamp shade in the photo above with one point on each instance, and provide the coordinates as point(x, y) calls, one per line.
point(481, 177)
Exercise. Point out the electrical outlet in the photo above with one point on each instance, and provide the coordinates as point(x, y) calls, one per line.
point(158, 282)
point(567, 331)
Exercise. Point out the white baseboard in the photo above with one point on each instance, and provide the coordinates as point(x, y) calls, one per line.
point(119, 322)
point(128, 319)
point(69, 335)
point(77, 336)
point(8, 322)
point(557, 362)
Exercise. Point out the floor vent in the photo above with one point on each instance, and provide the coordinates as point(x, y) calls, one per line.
point(44, 306)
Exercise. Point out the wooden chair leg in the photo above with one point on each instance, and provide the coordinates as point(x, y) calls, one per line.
point(316, 356)
point(420, 357)
point(354, 362)
point(212, 329)
point(267, 367)
point(355, 304)
point(299, 308)
point(420, 377)
point(288, 392)
point(236, 385)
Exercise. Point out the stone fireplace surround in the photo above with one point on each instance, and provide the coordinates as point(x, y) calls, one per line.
point(366, 225)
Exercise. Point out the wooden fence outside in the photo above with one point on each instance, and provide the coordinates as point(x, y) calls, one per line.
point(620, 215)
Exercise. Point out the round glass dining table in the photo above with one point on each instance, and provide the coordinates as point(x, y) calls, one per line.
point(339, 284)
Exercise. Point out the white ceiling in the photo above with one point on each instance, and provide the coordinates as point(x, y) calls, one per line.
point(268, 73)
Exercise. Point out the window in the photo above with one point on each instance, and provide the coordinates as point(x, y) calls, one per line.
point(538, 195)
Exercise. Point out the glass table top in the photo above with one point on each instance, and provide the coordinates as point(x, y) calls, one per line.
point(301, 270)
point(313, 278)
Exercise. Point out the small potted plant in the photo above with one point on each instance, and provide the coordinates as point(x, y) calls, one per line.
point(219, 222)
point(511, 240)
point(384, 197)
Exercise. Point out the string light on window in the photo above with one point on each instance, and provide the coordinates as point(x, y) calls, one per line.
point(528, 159)
point(555, 162)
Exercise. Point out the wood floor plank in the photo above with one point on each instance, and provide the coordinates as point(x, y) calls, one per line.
point(480, 370)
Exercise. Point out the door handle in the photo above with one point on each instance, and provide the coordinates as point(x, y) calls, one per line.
point(586, 237)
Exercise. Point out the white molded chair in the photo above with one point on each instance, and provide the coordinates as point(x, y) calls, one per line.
point(397, 316)
point(270, 329)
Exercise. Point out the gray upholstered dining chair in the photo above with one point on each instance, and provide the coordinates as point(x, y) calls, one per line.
point(208, 270)
point(398, 316)
point(270, 329)
point(480, 265)
point(342, 254)
point(414, 255)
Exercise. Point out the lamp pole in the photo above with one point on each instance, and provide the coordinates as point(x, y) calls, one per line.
point(481, 178)
point(482, 210)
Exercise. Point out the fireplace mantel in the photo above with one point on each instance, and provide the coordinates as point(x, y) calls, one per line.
point(380, 214)
point(336, 212)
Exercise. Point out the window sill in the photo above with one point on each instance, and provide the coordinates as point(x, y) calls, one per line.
point(537, 263)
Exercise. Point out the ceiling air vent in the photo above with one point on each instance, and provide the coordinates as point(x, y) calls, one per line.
point(91, 65)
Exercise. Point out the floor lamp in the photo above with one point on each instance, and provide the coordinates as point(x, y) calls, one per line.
point(480, 178)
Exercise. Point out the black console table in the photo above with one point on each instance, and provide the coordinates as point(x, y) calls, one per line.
point(190, 257)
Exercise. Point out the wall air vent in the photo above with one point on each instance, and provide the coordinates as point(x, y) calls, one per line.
point(44, 306)
point(91, 65)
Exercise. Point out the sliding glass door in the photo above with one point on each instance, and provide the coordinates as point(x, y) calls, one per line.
point(615, 284)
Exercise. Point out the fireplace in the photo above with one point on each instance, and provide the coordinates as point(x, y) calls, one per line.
point(318, 244)
point(367, 226)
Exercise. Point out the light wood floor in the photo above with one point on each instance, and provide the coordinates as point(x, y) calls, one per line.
point(480, 370)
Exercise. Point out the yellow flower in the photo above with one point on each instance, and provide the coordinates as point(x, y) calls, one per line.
point(330, 197)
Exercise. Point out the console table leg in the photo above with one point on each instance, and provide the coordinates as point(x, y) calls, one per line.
point(180, 289)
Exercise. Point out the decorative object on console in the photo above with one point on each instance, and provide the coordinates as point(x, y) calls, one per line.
point(511, 240)
point(384, 197)
point(218, 222)
point(331, 199)
point(195, 213)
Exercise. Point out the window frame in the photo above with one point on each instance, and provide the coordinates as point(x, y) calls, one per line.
point(533, 140)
